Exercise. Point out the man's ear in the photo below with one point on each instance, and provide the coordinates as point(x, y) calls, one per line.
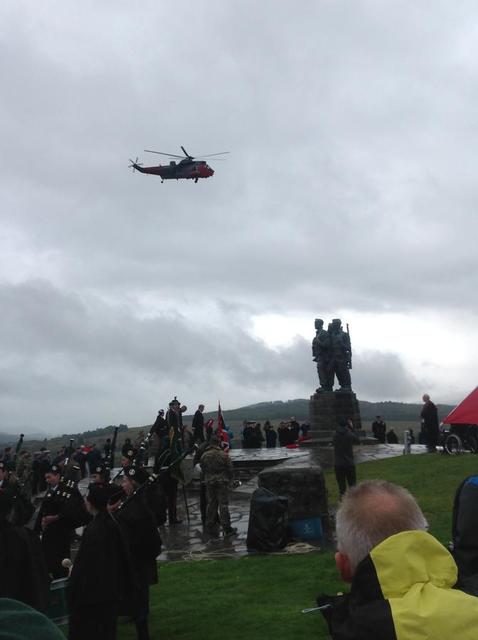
point(344, 567)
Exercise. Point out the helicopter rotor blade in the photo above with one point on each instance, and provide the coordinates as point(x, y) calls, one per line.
point(161, 153)
point(187, 154)
point(210, 155)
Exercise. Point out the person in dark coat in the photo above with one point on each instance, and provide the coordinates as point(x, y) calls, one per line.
point(101, 577)
point(295, 427)
point(258, 436)
point(429, 416)
point(61, 511)
point(271, 435)
point(344, 463)
point(248, 436)
point(93, 458)
point(379, 429)
point(282, 434)
point(141, 530)
point(23, 571)
point(174, 420)
point(161, 431)
point(198, 425)
point(392, 437)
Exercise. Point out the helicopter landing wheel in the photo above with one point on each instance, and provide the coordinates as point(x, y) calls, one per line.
point(195, 180)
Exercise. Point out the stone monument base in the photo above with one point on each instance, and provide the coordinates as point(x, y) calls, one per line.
point(326, 408)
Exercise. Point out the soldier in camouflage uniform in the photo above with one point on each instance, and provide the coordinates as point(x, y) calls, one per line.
point(218, 474)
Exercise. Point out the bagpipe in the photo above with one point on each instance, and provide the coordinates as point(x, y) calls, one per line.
point(153, 478)
point(17, 451)
point(110, 458)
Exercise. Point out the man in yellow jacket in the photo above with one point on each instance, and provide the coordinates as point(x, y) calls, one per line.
point(402, 579)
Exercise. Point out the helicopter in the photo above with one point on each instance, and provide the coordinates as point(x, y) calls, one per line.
point(189, 167)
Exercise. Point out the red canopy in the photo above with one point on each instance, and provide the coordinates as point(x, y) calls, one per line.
point(466, 412)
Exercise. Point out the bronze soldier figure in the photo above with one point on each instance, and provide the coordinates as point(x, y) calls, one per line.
point(321, 352)
point(341, 354)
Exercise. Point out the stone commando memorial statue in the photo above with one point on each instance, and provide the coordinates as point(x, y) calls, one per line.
point(332, 351)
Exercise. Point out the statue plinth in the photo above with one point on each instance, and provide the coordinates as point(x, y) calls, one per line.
point(326, 408)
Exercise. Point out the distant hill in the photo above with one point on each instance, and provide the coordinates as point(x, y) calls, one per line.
point(299, 408)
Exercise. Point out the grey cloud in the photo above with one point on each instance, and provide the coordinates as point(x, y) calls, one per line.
point(78, 354)
point(379, 375)
point(351, 181)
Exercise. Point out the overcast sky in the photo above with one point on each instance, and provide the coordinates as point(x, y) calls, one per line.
point(350, 191)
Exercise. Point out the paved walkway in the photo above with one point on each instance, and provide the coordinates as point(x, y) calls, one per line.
point(188, 539)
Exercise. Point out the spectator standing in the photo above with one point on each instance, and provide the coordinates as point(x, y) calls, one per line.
point(248, 436)
point(344, 462)
point(429, 416)
point(392, 437)
point(258, 436)
point(295, 427)
point(271, 435)
point(379, 429)
point(282, 434)
point(198, 425)
point(93, 458)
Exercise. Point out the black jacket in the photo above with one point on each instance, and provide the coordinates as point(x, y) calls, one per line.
point(343, 442)
point(429, 416)
point(198, 426)
point(23, 570)
point(141, 530)
point(102, 571)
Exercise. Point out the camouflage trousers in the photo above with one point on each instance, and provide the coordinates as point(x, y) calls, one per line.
point(217, 492)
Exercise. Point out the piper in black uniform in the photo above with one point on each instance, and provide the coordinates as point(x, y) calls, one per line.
point(62, 510)
point(99, 475)
point(140, 527)
point(102, 572)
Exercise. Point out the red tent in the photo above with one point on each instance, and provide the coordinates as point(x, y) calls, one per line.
point(466, 412)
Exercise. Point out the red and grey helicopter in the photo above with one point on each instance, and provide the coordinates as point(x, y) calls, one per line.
point(189, 168)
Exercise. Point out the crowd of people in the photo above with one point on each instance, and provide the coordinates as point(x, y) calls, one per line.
point(119, 518)
point(289, 432)
point(116, 523)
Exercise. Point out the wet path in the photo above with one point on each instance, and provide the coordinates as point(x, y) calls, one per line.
point(189, 541)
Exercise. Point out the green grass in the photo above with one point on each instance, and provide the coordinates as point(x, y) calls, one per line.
point(260, 597)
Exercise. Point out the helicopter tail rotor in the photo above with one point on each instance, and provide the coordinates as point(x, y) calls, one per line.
point(134, 164)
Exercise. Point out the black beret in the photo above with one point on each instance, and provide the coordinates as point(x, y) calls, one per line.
point(100, 469)
point(54, 468)
point(138, 474)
